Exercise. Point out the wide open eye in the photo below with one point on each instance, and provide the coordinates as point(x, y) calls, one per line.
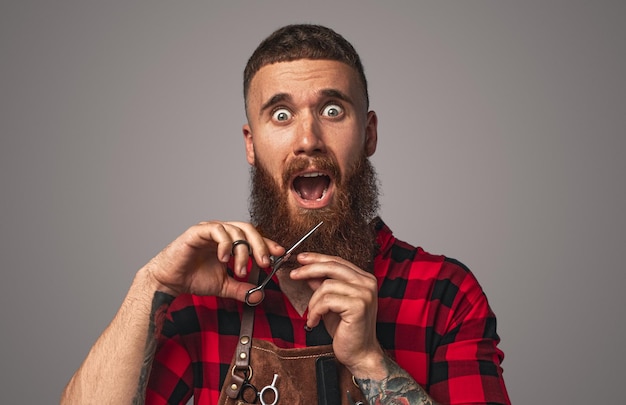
point(281, 115)
point(332, 110)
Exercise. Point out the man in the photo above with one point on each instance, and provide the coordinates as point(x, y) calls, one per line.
point(410, 327)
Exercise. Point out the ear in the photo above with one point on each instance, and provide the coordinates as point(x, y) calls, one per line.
point(371, 133)
point(247, 137)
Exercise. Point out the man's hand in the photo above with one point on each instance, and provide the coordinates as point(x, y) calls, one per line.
point(346, 298)
point(196, 261)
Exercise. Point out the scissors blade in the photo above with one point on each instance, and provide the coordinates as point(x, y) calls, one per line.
point(305, 237)
point(278, 262)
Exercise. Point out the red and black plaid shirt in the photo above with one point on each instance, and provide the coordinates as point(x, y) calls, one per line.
point(433, 319)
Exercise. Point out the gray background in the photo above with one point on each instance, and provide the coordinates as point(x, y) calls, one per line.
point(501, 143)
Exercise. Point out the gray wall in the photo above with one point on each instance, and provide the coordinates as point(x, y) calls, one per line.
point(502, 135)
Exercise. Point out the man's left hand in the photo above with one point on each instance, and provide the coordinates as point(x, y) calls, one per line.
point(346, 298)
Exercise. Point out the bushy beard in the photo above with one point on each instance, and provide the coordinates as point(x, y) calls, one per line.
point(347, 231)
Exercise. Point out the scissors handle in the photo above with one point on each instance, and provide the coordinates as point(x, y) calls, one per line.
point(260, 289)
point(276, 262)
point(251, 291)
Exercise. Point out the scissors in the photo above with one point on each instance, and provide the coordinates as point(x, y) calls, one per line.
point(276, 263)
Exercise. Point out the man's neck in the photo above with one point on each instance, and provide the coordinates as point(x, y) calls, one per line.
point(297, 292)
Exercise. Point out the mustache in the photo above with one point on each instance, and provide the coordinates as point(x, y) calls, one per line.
point(324, 163)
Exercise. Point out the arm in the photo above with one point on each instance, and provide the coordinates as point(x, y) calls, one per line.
point(396, 387)
point(472, 367)
point(118, 365)
point(465, 362)
point(346, 298)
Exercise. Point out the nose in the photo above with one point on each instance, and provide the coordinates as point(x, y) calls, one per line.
point(308, 137)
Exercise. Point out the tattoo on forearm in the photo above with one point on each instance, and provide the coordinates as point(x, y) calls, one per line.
point(397, 388)
point(160, 303)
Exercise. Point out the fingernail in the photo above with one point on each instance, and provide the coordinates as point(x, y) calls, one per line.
point(307, 328)
point(266, 260)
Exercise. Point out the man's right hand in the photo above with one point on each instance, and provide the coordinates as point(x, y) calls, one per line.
point(196, 261)
point(118, 364)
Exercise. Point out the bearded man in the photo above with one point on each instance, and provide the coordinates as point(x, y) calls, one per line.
point(405, 326)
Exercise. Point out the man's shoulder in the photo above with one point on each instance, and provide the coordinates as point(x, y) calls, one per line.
point(396, 253)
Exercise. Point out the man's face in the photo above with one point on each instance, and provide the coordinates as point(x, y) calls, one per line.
point(308, 141)
point(308, 126)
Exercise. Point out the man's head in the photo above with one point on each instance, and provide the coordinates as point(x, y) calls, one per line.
point(303, 41)
point(308, 138)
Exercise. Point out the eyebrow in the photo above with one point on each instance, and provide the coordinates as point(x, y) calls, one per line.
point(325, 93)
point(334, 93)
point(275, 99)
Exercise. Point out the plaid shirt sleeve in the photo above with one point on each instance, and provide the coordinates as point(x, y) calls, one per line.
point(194, 350)
point(171, 376)
point(435, 321)
point(465, 362)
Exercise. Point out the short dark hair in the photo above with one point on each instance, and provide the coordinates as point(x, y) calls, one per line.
point(303, 41)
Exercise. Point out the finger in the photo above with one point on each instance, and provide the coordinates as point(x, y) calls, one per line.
point(236, 240)
point(348, 309)
point(211, 233)
point(275, 249)
point(235, 289)
point(240, 249)
point(334, 288)
point(261, 247)
point(345, 299)
point(316, 265)
point(222, 235)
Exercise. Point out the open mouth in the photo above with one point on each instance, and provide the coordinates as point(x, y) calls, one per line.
point(312, 187)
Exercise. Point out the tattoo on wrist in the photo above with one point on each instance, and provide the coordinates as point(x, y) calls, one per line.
point(397, 388)
point(160, 303)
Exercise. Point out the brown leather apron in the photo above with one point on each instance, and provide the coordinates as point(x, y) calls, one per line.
point(260, 370)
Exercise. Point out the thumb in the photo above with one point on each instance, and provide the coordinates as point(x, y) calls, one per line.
point(236, 289)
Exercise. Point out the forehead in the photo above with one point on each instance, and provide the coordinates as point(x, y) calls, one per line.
point(304, 78)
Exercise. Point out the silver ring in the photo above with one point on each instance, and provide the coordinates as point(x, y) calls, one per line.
point(240, 242)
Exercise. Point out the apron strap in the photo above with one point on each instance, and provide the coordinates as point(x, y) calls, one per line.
point(242, 371)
